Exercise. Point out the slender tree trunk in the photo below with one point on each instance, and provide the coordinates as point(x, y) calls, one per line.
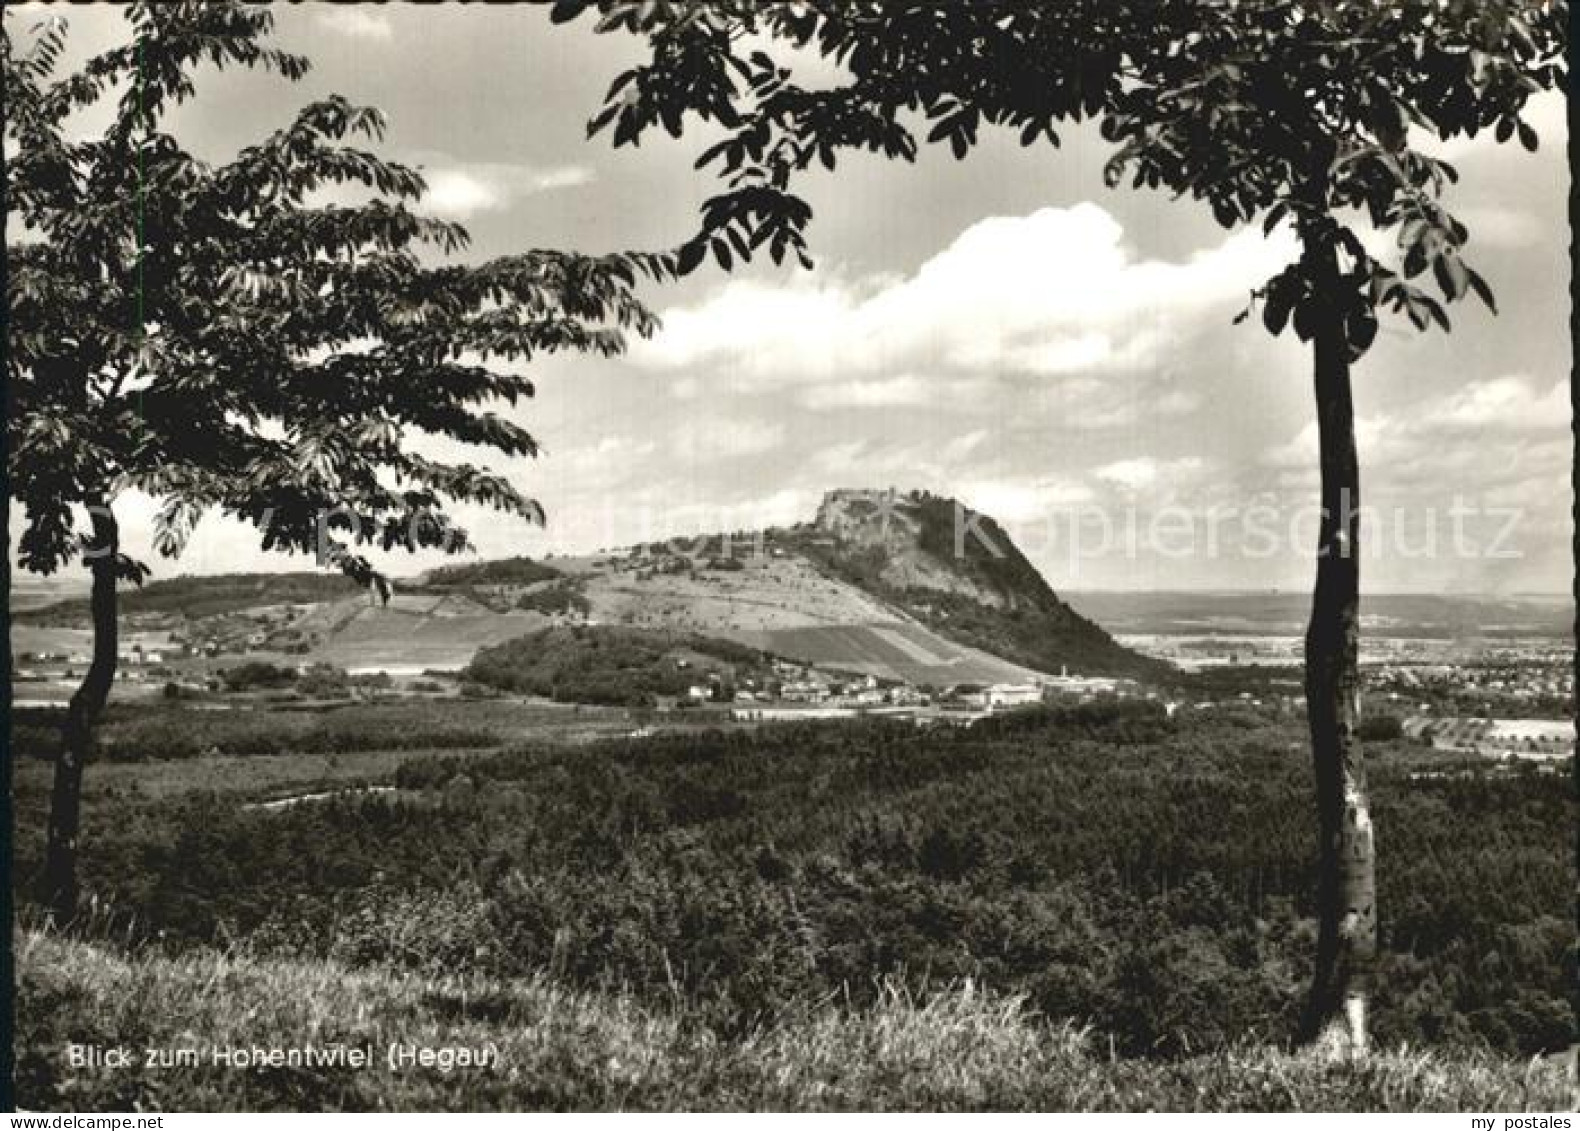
point(1335, 1018)
point(82, 714)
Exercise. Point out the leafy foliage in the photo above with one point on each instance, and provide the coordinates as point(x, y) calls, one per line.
point(559, 598)
point(1268, 109)
point(214, 336)
point(612, 665)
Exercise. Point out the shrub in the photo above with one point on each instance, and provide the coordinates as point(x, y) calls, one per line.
point(253, 674)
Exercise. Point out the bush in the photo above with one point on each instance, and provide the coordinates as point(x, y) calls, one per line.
point(323, 681)
point(255, 674)
point(1380, 728)
point(559, 599)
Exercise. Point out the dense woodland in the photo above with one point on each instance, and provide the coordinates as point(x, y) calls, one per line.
point(1145, 875)
point(615, 666)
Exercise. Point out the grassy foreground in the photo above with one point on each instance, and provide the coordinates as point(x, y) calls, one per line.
point(560, 1049)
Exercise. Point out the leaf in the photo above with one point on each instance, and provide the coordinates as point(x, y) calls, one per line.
point(1414, 260)
point(690, 257)
point(1304, 314)
point(1527, 137)
point(566, 10)
point(1452, 278)
point(1361, 330)
point(1275, 313)
point(1483, 292)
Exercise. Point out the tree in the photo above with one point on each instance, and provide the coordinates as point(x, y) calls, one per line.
point(1296, 112)
point(224, 339)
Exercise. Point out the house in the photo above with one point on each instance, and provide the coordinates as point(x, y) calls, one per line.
point(1002, 695)
point(805, 691)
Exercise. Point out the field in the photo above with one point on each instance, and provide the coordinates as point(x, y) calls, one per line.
point(905, 651)
point(1417, 615)
point(792, 915)
point(415, 633)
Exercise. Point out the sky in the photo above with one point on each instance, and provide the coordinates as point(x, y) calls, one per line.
point(1002, 329)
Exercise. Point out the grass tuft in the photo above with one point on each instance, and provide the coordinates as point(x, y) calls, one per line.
point(559, 1049)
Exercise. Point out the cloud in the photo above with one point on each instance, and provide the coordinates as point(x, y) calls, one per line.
point(1145, 472)
point(1501, 227)
point(459, 192)
point(1476, 440)
point(1053, 294)
point(356, 22)
point(904, 391)
point(704, 441)
point(1507, 407)
point(1021, 505)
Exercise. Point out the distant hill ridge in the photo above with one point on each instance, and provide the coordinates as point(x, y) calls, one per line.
point(902, 585)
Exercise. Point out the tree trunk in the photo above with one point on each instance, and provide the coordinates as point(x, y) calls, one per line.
point(82, 714)
point(1335, 1018)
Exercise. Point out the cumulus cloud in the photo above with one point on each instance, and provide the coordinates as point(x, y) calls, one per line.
point(357, 22)
point(1145, 472)
point(906, 390)
point(1501, 227)
point(1466, 420)
point(1493, 441)
point(706, 440)
point(1050, 295)
point(459, 192)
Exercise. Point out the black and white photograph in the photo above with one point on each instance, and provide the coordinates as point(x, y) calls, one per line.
point(790, 556)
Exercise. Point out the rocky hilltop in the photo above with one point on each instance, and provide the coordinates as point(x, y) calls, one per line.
point(958, 572)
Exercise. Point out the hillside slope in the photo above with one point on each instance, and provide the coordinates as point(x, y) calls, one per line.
point(873, 585)
point(560, 1049)
point(960, 574)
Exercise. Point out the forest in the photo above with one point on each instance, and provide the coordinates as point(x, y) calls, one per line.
point(612, 665)
point(1144, 875)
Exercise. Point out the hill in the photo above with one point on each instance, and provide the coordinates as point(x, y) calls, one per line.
point(873, 585)
point(207, 595)
point(562, 1049)
point(501, 571)
point(959, 573)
